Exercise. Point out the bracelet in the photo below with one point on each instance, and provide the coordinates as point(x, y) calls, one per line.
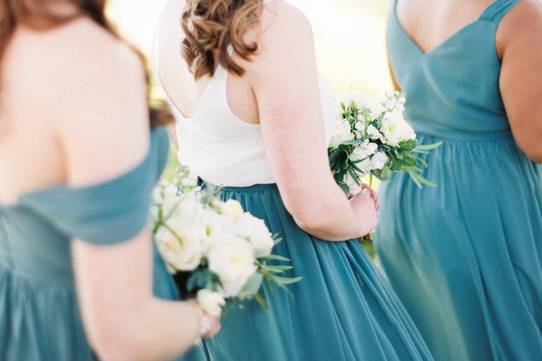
point(204, 321)
point(204, 325)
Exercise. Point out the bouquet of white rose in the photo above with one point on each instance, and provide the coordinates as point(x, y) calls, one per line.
point(372, 138)
point(216, 252)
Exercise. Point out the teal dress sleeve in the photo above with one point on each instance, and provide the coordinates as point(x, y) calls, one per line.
point(110, 212)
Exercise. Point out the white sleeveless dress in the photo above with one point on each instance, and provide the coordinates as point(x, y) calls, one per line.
point(226, 151)
point(342, 310)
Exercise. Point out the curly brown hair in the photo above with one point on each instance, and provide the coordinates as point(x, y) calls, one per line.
point(38, 15)
point(213, 28)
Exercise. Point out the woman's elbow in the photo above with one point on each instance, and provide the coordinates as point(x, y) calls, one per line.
point(308, 215)
point(114, 344)
point(533, 151)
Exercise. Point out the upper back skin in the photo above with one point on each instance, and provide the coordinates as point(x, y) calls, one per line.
point(46, 77)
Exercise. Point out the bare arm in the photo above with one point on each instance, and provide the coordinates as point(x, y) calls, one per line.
point(103, 96)
point(518, 41)
point(285, 81)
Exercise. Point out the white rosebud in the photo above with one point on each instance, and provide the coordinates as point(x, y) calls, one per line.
point(256, 232)
point(211, 302)
point(232, 209)
point(379, 161)
point(232, 259)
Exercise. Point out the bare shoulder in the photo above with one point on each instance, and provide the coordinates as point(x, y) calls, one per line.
point(91, 89)
point(81, 59)
point(522, 25)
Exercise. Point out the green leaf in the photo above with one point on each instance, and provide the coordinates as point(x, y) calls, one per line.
point(261, 301)
point(277, 268)
point(274, 257)
point(345, 188)
point(408, 145)
point(283, 281)
point(409, 162)
point(252, 286)
point(427, 147)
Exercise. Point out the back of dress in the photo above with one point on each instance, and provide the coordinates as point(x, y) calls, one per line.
point(39, 311)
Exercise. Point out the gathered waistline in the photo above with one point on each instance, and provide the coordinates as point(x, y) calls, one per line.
point(250, 188)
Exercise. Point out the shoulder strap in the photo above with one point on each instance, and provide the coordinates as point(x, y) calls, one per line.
point(498, 10)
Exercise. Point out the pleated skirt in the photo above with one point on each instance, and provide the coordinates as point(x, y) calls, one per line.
point(342, 310)
point(465, 258)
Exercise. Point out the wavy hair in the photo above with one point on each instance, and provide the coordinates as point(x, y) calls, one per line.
point(214, 28)
point(38, 15)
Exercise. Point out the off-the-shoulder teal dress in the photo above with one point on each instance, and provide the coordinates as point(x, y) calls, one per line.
point(39, 313)
point(465, 257)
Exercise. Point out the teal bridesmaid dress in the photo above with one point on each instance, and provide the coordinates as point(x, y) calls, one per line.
point(465, 258)
point(39, 312)
point(342, 310)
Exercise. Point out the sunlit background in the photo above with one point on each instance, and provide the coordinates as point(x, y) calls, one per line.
point(350, 37)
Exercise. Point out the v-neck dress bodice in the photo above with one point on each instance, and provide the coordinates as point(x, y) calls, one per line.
point(465, 257)
point(459, 77)
point(39, 311)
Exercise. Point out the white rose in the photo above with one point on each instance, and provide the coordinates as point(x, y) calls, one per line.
point(211, 302)
point(182, 251)
point(256, 232)
point(364, 151)
point(217, 227)
point(232, 209)
point(379, 160)
point(232, 260)
point(396, 129)
point(342, 132)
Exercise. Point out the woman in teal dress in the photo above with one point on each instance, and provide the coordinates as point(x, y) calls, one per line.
point(78, 167)
point(466, 257)
point(263, 136)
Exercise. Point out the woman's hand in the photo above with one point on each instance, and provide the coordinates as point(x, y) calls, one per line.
point(365, 206)
point(209, 325)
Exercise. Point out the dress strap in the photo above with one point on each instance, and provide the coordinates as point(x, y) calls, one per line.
point(498, 10)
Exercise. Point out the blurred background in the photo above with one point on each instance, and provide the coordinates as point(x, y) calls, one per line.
point(349, 35)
